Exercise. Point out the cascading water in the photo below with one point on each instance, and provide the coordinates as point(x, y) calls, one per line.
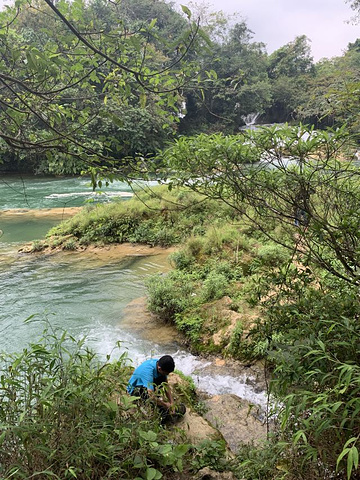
point(250, 119)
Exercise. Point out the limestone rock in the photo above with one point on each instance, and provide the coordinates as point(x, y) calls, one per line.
point(237, 421)
point(196, 429)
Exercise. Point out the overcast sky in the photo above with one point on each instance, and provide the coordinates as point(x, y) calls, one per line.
point(277, 22)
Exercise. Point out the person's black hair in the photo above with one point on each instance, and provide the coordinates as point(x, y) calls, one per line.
point(167, 363)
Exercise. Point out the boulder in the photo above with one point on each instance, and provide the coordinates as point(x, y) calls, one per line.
point(238, 421)
point(196, 429)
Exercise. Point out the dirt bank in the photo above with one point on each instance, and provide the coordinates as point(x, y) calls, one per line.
point(104, 253)
point(60, 213)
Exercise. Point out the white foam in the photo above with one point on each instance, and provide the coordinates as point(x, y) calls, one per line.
point(89, 194)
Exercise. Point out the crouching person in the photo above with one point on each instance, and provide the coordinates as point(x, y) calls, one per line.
point(150, 381)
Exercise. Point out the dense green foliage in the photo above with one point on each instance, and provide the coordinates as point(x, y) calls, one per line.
point(299, 178)
point(88, 84)
point(66, 415)
point(270, 230)
point(292, 312)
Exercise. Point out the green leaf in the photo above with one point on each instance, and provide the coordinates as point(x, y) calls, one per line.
point(298, 435)
point(2, 437)
point(139, 461)
point(28, 319)
point(186, 10)
point(355, 457)
point(149, 436)
point(351, 440)
point(180, 450)
point(350, 463)
point(143, 99)
point(153, 23)
point(341, 456)
point(152, 473)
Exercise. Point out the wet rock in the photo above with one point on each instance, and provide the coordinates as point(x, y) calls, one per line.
point(195, 428)
point(236, 419)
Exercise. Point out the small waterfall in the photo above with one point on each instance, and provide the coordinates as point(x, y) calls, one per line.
point(250, 118)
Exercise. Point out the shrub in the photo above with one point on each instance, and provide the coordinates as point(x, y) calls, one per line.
point(270, 255)
point(236, 339)
point(155, 217)
point(215, 286)
point(314, 349)
point(181, 260)
point(37, 246)
point(70, 244)
point(170, 294)
point(223, 267)
point(210, 453)
point(263, 462)
point(191, 326)
point(194, 247)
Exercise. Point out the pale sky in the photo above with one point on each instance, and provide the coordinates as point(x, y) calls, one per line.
point(277, 22)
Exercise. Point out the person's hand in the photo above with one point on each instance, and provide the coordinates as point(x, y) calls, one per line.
point(169, 406)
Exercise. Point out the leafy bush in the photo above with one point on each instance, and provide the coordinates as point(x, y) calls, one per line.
point(270, 255)
point(215, 286)
point(228, 269)
point(191, 326)
point(263, 462)
point(314, 350)
point(154, 217)
point(181, 260)
point(170, 294)
point(194, 247)
point(70, 244)
point(235, 340)
point(210, 453)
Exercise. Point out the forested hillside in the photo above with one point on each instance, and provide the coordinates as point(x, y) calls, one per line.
point(98, 84)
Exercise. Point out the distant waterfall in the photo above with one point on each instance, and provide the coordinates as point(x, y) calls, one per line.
point(250, 118)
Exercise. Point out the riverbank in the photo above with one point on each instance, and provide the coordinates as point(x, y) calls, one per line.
point(60, 213)
point(112, 251)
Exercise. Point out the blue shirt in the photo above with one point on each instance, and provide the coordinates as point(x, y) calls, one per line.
point(144, 375)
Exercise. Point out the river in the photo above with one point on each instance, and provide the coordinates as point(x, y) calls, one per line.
point(87, 294)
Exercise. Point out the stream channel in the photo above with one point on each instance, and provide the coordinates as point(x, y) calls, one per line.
point(89, 294)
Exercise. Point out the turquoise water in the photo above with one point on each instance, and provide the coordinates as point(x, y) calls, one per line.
point(49, 192)
point(29, 193)
point(85, 296)
point(22, 229)
point(82, 294)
